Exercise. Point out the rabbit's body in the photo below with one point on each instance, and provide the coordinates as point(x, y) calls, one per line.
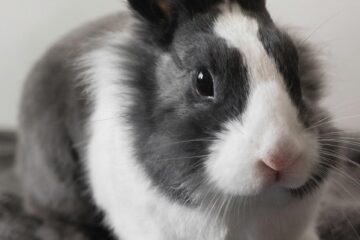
point(53, 124)
point(114, 113)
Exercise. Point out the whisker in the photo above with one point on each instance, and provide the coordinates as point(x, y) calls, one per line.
point(209, 214)
point(343, 213)
point(340, 134)
point(186, 141)
point(343, 174)
point(340, 157)
point(103, 119)
point(184, 158)
point(340, 140)
point(342, 187)
point(318, 123)
point(351, 225)
point(329, 120)
point(341, 147)
point(322, 25)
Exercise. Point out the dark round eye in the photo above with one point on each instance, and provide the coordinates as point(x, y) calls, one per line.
point(205, 84)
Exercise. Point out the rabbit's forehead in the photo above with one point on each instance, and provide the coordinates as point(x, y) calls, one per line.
point(267, 53)
point(241, 31)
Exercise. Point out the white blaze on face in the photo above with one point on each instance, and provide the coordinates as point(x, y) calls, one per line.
point(269, 128)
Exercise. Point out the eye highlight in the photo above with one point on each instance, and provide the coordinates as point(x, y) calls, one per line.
point(204, 84)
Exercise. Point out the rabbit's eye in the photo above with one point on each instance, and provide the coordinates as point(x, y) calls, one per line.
point(205, 84)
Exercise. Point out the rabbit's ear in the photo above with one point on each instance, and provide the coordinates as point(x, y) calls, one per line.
point(154, 11)
point(252, 4)
point(164, 11)
point(164, 16)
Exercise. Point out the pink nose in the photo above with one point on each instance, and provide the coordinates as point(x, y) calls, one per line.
point(280, 161)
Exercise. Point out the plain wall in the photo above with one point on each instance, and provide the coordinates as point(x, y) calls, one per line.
point(28, 28)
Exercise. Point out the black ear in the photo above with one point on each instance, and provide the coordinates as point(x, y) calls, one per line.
point(162, 17)
point(197, 6)
point(159, 17)
point(164, 11)
point(154, 11)
point(253, 4)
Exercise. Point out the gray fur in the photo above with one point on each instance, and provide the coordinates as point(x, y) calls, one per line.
point(52, 129)
point(16, 224)
point(54, 113)
point(339, 220)
point(8, 180)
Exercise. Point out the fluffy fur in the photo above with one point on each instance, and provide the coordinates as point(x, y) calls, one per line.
point(112, 114)
point(269, 123)
point(339, 220)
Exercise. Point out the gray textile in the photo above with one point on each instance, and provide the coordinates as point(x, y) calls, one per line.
point(340, 218)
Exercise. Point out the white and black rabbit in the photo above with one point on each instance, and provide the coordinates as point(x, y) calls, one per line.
point(178, 120)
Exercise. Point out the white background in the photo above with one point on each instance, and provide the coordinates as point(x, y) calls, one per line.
point(29, 27)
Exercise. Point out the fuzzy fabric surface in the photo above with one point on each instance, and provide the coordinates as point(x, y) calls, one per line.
point(340, 218)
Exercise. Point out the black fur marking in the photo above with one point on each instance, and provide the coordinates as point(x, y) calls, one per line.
point(279, 46)
point(253, 5)
point(150, 10)
point(177, 115)
point(194, 7)
point(159, 27)
point(169, 117)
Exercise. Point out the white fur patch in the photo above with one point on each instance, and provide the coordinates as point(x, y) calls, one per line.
point(133, 207)
point(241, 31)
point(269, 123)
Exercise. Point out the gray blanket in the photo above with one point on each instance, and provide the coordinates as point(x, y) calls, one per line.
point(340, 218)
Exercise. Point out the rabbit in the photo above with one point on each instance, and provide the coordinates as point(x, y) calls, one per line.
point(179, 120)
